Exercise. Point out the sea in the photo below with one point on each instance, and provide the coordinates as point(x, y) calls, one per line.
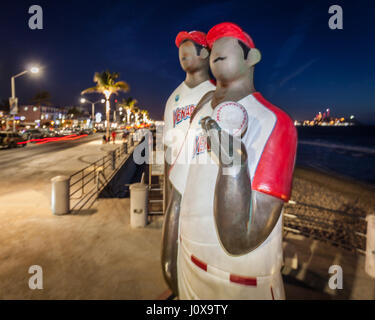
point(348, 152)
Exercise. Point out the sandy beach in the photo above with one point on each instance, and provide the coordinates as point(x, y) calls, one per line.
point(334, 206)
point(346, 186)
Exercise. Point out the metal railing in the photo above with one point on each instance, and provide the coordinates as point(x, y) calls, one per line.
point(336, 227)
point(87, 183)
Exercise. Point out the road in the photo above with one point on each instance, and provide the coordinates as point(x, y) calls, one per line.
point(9, 158)
point(32, 167)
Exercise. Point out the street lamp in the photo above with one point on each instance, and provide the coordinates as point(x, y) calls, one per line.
point(84, 100)
point(34, 70)
point(13, 102)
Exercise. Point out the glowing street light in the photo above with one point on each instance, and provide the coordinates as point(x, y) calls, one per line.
point(34, 70)
point(84, 100)
point(13, 101)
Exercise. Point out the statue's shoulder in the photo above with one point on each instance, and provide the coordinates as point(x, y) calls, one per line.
point(283, 119)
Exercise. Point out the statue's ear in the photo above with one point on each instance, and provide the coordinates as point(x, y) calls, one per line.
point(204, 53)
point(253, 57)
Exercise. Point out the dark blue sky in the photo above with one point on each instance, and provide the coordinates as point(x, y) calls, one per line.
point(306, 67)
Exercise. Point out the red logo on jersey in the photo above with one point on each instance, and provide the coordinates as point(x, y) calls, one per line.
point(181, 114)
point(200, 145)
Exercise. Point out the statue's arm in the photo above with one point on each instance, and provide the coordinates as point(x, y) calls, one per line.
point(172, 200)
point(167, 183)
point(244, 218)
point(170, 240)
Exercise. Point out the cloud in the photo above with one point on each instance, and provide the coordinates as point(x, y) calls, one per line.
point(296, 73)
point(274, 86)
point(288, 49)
point(302, 25)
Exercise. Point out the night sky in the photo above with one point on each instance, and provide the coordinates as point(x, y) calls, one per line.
point(306, 67)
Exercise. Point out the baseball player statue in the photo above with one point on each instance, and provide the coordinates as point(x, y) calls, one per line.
point(194, 60)
point(240, 175)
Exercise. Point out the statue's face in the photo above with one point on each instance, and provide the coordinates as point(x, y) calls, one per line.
point(227, 60)
point(189, 59)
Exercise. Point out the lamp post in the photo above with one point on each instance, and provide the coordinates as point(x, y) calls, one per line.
point(13, 100)
point(84, 100)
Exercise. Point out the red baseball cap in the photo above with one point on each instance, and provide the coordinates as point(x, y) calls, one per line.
point(196, 36)
point(228, 29)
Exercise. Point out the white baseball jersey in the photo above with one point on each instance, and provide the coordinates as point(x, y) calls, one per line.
point(179, 108)
point(205, 269)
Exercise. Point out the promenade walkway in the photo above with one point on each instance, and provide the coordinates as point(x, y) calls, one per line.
point(90, 255)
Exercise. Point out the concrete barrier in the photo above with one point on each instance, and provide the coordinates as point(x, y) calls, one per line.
point(60, 203)
point(138, 205)
point(370, 246)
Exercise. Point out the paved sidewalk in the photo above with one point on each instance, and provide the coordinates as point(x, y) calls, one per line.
point(92, 256)
point(310, 279)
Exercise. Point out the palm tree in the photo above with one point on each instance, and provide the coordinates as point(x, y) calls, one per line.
point(128, 105)
point(128, 111)
point(132, 108)
point(136, 112)
point(106, 84)
point(144, 115)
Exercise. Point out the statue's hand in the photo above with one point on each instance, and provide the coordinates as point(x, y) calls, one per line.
point(207, 123)
point(228, 149)
point(211, 129)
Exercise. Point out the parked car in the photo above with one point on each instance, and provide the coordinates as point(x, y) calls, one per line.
point(66, 132)
point(33, 134)
point(86, 131)
point(11, 140)
point(48, 133)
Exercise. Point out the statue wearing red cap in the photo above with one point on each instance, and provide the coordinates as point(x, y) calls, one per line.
point(240, 175)
point(194, 60)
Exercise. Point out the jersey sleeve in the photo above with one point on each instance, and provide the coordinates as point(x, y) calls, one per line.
point(274, 172)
